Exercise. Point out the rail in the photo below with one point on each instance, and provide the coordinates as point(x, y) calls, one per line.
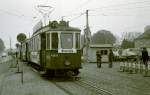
point(99, 90)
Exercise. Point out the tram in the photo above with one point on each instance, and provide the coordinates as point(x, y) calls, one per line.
point(55, 48)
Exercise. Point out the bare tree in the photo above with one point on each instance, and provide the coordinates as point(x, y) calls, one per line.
point(128, 39)
point(130, 36)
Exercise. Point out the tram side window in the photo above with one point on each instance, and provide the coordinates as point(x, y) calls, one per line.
point(37, 43)
point(48, 41)
point(54, 40)
point(77, 40)
point(43, 41)
point(32, 45)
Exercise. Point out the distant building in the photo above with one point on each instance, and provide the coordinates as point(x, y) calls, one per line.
point(144, 39)
point(104, 49)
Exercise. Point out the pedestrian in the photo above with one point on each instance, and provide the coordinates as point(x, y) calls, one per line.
point(98, 57)
point(110, 56)
point(145, 59)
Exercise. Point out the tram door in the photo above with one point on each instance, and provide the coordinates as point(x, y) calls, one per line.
point(43, 51)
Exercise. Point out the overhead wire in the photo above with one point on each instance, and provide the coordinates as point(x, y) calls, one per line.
point(76, 17)
point(80, 6)
point(116, 5)
point(118, 11)
point(15, 14)
point(114, 10)
point(73, 14)
point(96, 9)
point(10, 13)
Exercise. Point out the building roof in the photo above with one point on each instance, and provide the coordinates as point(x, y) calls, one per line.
point(101, 46)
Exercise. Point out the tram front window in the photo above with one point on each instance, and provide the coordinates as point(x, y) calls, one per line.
point(66, 40)
point(54, 40)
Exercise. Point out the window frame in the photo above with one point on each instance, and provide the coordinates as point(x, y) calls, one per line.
point(73, 39)
point(79, 42)
point(51, 41)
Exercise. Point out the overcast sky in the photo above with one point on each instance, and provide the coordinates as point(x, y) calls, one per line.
point(116, 16)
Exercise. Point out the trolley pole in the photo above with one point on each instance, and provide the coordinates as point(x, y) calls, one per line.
point(87, 19)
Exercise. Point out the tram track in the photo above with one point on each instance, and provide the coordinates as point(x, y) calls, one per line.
point(81, 83)
point(84, 85)
point(93, 84)
point(130, 83)
point(62, 88)
point(54, 82)
point(123, 76)
point(99, 90)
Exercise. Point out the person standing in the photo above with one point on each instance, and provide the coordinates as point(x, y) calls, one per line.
point(98, 57)
point(145, 59)
point(110, 56)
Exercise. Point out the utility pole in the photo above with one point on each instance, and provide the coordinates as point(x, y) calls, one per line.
point(87, 18)
point(87, 38)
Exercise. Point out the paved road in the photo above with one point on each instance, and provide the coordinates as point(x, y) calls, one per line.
point(94, 81)
point(119, 83)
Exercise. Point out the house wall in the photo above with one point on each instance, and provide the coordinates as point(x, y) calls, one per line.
point(142, 43)
point(92, 54)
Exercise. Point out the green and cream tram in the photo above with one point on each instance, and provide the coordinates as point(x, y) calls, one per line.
point(56, 48)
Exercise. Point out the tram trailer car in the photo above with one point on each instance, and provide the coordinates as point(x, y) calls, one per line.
point(55, 48)
point(24, 50)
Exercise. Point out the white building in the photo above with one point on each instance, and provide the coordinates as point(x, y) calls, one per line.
point(104, 49)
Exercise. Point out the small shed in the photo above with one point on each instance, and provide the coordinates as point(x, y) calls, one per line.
point(104, 49)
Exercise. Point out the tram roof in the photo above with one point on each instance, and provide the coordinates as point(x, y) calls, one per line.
point(55, 26)
point(47, 28)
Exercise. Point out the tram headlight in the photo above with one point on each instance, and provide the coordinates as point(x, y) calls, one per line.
point(67, 63)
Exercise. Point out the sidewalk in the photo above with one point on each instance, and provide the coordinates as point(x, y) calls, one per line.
point(33, 84)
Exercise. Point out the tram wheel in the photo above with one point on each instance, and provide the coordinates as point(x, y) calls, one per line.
point(76, 72)
point(51, 73)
